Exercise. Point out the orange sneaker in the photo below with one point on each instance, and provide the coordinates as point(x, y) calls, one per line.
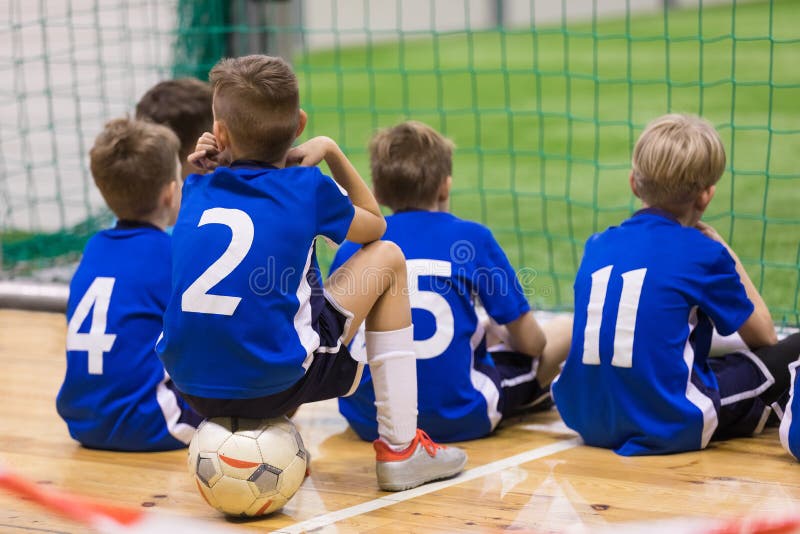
point(421, 462)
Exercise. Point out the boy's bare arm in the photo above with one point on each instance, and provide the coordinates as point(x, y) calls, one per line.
point(368, 223)
point(526, 336)
point(758, 330)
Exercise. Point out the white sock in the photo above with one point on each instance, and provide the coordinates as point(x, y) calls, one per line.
point(393, 365)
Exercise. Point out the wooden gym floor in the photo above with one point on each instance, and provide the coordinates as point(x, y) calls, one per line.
point(532, 475)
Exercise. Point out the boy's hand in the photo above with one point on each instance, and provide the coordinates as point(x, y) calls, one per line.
point(206, 155)
point(312, 152)
point(710, 232)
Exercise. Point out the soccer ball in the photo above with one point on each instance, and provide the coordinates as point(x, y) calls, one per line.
point(247, 467)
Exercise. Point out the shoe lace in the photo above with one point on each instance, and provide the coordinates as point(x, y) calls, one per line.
point(430, 446)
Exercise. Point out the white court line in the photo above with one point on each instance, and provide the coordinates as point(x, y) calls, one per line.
point(556, 427)
point(400, 496)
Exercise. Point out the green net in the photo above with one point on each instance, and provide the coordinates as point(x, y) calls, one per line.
point(544, 101)
point(65, 69)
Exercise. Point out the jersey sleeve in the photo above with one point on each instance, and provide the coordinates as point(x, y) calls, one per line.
point(334, 210)
point(725, 299)
point(496, 282)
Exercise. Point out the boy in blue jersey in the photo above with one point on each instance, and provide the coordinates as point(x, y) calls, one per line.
point(455, 268)
point(648, 295)
point(116, 394)
point(250, 330)
point(790, 427)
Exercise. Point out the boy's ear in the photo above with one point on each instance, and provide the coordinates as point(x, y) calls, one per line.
point(301, 124)
point(222, 136)
point(633, 185)
point(171, 200)
point(704, 198)
point(169, 194)
point(443, 194)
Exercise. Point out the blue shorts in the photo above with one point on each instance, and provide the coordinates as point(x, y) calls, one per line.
point(187, 415)
point(741, 377)
point(333, 373)
point(514, 374)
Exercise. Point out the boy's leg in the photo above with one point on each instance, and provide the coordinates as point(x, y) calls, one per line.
point(515, 374)
point(750, 383)
point(525, 381)
point(741, 379)
point(372, 285)
point(558, 333)
point(777, 358)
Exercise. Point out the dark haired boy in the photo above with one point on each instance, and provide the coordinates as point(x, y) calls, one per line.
point(183, 105)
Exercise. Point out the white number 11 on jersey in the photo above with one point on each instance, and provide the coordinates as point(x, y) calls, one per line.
point(632, 282)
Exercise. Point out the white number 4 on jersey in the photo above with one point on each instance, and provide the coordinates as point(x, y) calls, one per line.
point(96, 341)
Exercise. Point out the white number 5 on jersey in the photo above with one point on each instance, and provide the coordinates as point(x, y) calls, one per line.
point(96, 342)
point(432, 302)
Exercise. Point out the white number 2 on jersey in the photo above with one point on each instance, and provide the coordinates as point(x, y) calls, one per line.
point(632, 282)
point(432, 302)
point(96, 341)
point(196, 297)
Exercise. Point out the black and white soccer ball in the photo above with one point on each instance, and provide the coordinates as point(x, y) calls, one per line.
point(247, 467)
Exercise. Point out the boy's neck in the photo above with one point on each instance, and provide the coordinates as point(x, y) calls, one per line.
point(280, 164)
point(259, 163)
point(440, 206)
point(684, 214)
point(443, 206)
point(159, 219)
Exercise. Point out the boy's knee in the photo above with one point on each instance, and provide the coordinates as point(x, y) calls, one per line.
point(386, 254)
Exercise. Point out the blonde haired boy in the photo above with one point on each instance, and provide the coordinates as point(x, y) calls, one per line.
point(250, 330)
point(648, 295)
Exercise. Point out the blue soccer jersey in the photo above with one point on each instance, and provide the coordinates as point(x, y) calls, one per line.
point(790, 427)
point(116, 394)
point(246, 294)
point(451, 263)
point(648, 294)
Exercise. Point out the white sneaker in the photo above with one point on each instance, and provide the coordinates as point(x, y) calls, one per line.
point(421, 462)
